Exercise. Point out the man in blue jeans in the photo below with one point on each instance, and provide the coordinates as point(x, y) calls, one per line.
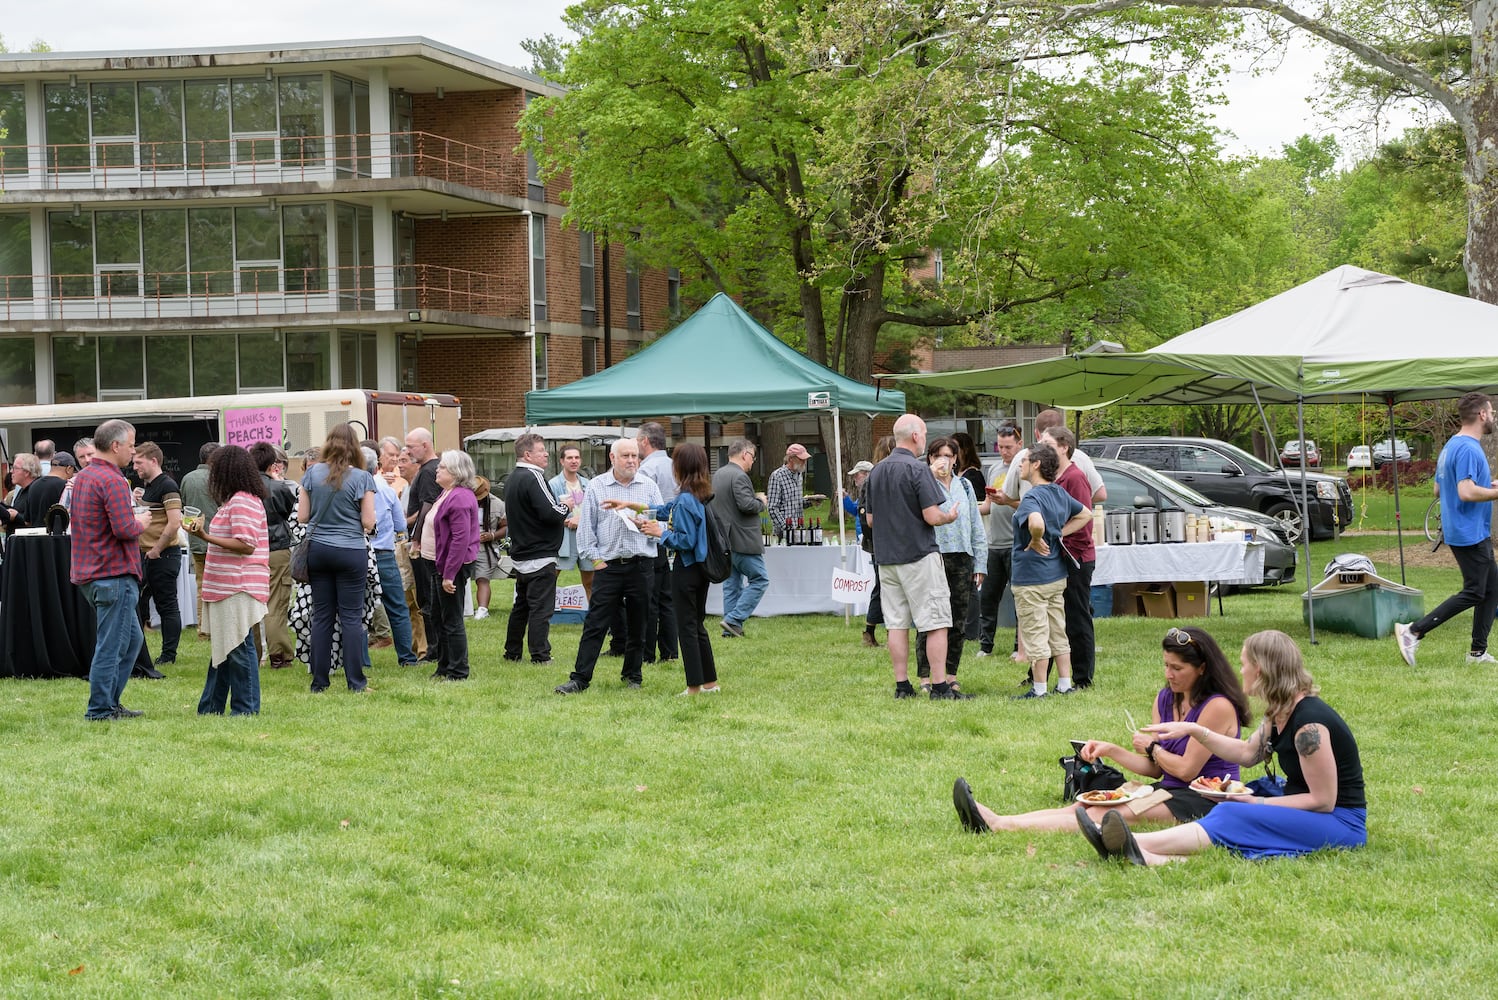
point(390, 525)
point(738, 508)
point(107, 565)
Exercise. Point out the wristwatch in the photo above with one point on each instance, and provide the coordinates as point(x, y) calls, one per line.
point(1150, 753)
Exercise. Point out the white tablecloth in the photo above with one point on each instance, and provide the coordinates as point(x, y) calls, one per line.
point(1209, 562)
point(801, 581)
point(187, 595)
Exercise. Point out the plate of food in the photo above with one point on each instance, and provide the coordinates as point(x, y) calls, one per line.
point(1221, 789)
point(1112, 796)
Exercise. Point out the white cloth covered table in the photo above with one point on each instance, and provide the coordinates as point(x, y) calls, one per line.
point(1162, 562)
point(801, 581)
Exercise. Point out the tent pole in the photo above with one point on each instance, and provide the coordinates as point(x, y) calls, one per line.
point(1394, 454)
point(837, 501)
point(1305, 527)
point(1305, 508)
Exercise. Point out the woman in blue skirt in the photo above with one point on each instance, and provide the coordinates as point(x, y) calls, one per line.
point(1323, 805)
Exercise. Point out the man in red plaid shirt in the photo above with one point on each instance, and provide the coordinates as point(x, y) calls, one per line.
point(106, 565)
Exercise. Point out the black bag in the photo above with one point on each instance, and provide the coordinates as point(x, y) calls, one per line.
point(719, 562)
point(1084, 776)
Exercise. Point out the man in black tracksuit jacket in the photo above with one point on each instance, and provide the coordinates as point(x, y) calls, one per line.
point(535, 519)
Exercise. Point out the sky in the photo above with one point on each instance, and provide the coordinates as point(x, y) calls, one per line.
point(1265, 111)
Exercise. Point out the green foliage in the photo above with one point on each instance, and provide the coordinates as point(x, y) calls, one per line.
point(792, 836)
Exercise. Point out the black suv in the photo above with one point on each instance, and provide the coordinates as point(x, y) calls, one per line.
point(1232, 476)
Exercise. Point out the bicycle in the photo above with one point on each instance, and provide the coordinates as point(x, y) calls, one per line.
point(1433, 524)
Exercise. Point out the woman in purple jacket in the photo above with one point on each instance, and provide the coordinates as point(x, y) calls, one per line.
point(451, 540)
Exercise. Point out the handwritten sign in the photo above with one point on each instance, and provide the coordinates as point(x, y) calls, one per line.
point(850, 588)
point(572, 598)
point(249, 425)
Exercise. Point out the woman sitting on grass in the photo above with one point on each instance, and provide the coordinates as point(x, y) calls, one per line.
point(1200, 688)
point(1323, 805)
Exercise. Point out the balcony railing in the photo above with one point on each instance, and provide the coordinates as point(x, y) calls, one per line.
point(260, 159)
point(258, 290)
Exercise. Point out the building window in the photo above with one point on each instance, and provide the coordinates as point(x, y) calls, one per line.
point(15, 261)
point(304, 247)
point(65, 115)
point(214, 368)
point(587, 278)
point(538, 268)
point(309, 360)
point(351, 126)
point(168, 366)
point(75, 369)
point(938, 269)
point(590, 356)
point(358, 359)
point(534, 189)
point(17, 370)
point(673, 293)
point(113, 123)
point(408, 377)
point(174, 365)
point(13, 125)
point(542, 381)
point(632, 294)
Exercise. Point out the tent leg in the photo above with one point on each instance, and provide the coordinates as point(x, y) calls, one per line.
point(1305, 514)
point(1398, 523)
point(1305, 510)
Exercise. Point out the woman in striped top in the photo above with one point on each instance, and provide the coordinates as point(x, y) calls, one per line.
point(236, 581)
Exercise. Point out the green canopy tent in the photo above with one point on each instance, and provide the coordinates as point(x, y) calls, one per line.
point(717, 363)
point(1340, 337)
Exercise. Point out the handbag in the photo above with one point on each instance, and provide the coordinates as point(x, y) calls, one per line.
point(301, 550)
point(1087, 776)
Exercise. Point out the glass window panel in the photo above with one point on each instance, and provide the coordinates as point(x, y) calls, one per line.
point(117, 237)
point(542, 370)
point(112, 111)
point(119, 282)
point(164, 236)
point(253, 104)
point(210, 235)
point(361, 128)
point(262, 279)
point(305, 233)
point(213, 365)
point(260, 361)
point(257, 233)
point(71, 244)
point(348, 359)
point(65, 114)
point(343, 123)
point(121, 363)
point(168, 366)
point(369, 360)
point(585, 272)
point(309, 360)
point(13, 124)
point(365, 220)
point(301, 120)
point(407, 352)
point(75, 371)
point(208, 124)
point(15, 259)
point(538, 266)
point(161, 125)
point(17, 371)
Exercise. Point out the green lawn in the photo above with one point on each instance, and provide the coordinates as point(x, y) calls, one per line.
point(792, 836)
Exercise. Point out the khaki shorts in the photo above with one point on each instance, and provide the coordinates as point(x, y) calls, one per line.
point(915, 595)
point(1042, 619)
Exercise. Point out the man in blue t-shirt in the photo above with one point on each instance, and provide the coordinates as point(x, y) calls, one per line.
point(1465, 487)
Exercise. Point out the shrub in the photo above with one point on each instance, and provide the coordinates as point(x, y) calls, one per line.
point(1410, 474)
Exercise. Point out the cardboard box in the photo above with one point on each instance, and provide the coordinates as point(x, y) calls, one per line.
point(1158, 600)
point(1126, 600)
point(1191, 598)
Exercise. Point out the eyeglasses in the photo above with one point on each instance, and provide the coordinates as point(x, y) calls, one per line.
point(1179, 636)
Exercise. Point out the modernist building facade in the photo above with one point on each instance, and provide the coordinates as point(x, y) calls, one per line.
point(333, 215)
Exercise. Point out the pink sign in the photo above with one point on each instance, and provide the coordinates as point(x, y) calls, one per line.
point(250, 425)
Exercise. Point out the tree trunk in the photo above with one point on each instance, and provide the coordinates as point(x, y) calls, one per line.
point(1481, 133)
point(864, 304)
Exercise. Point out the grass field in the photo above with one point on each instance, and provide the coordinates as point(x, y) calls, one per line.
point(793, 836)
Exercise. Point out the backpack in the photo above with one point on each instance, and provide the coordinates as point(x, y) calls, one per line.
point(719, 562)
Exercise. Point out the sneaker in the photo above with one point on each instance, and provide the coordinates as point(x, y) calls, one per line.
point(480, 614)
point(1408, 642)
point(904, 690)
point(147, 673)
point(539, 661)
point(712, 690)
point(732, 631)
point(1028, 694)
point(981, 654)
point(121, 712)
point(946, 692)
point(571, 687)
point(1483, 657)
point(1071, 690)
point(633, 685)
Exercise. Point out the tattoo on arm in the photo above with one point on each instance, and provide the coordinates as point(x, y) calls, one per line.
point(1308, 741)
point(1265, 750)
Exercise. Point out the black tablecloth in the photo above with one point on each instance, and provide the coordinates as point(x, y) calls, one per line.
point(47, 628)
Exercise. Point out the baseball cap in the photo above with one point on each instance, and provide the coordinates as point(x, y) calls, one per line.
point(797, 451)
point(65, 460)
point(861, 467)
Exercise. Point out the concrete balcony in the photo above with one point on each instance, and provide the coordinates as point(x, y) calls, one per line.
point(419, 295)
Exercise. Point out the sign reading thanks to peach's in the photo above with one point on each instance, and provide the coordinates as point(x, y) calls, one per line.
point(245, 426)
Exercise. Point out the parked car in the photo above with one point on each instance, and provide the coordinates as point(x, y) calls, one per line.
point(1130, 485)
point(1384, 453)
point(1230, 475)
point(1291, 453)
point(1359, 458)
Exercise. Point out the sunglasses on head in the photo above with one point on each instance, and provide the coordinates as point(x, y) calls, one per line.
point(1179, 636)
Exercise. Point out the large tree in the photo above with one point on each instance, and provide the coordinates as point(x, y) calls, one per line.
point(808, 158)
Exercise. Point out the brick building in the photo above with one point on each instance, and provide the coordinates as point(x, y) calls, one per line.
point(331, 215)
